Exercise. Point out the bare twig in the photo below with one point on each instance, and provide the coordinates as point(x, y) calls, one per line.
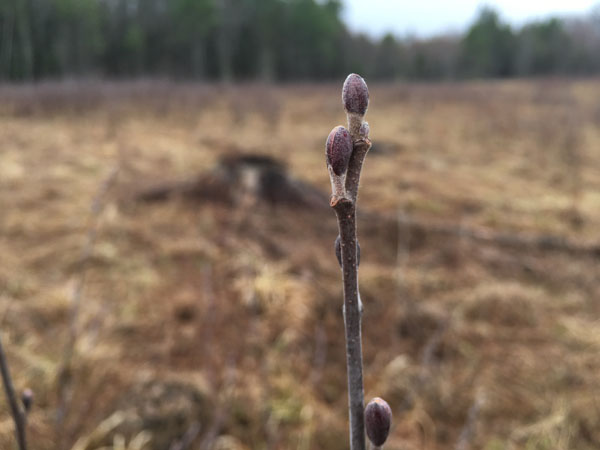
point(432, 345)
point(16, 411)
point(86, 253)
point(346, 214)
point(468, 431)
point(223, 408)
point(188, 438)
point(346, 151)
point(427, 360)
point(77, 294)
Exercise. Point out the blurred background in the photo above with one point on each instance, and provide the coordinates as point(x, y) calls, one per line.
point(283, 40)
point(167, 275)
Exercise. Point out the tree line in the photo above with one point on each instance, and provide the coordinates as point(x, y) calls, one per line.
point(273, 40)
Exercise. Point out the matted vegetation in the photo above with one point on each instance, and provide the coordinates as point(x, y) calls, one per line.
point(218, 318)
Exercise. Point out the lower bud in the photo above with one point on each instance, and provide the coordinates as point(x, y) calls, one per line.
point(338, 251)
point(338, 149)
point(27, 399)
point(378, 417)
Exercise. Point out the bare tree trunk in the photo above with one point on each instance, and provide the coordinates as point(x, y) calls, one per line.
point(7, 48)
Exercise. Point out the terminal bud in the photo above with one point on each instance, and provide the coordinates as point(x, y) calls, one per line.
point(355, 95)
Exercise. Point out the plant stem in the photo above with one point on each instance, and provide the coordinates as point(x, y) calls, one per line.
point(345, 210)
point(346, 215)
point(355, 96)
point(361, 147)
point(17, 413)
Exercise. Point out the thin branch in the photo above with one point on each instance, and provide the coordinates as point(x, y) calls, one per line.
point(223, 409)
point(361, 147)
point(468, 431)
point(346, 151)
point(432, 345)
point(17, 413)
point(77, 294)
point(346, 214)
point(188, 438)
point(86, 253)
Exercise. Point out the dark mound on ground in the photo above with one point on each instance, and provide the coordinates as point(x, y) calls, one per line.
point(237, 177)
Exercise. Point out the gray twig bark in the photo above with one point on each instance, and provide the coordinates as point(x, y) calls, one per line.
point(343, 201)
point(346, 214)
point(16, 411)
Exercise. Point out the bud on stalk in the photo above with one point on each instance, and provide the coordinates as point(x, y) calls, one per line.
point(339, 149)
point(355, 95)
point(378, 417)
point(27, 399)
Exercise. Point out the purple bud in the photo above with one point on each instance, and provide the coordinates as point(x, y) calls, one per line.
point(355, 95)
point(378, 416)
point(27, 399)
point(339, 149)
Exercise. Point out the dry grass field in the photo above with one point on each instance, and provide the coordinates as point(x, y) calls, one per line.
point(161, 289)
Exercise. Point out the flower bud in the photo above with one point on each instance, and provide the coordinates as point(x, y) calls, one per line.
point(339, 149)
point(364, 130)
point(378, 416)
point(27, 399)
point(338, 251)
point(355, 95)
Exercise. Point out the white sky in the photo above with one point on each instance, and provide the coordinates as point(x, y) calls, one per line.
point(429, 17)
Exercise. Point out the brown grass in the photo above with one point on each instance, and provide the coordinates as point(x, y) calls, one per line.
point(227, 316)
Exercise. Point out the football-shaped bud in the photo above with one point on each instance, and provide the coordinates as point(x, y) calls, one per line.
point(355, 95)
point(338, 251)
point(27, 399)
point(378, 417)
point(339, 149)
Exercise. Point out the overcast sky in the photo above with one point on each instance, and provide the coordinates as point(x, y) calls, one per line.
point(429, 17)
